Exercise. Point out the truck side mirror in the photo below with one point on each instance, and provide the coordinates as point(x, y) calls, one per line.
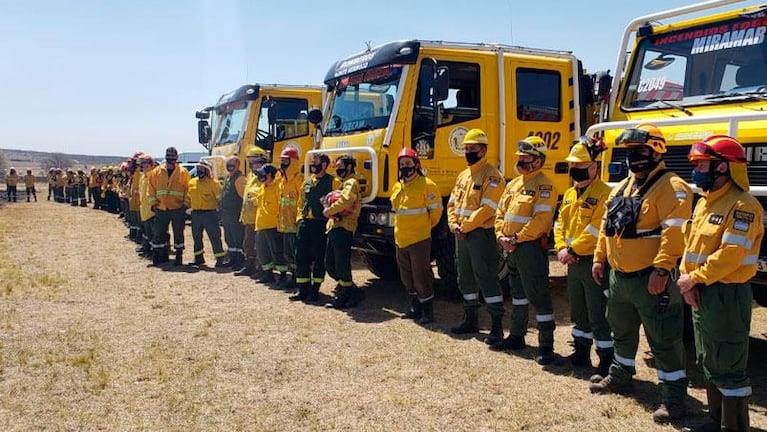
point(314, 116)
point(272, 112)
point(203, 133)
point(202, 115)
point(441, 83)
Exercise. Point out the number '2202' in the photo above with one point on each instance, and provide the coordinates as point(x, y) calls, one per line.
point(550, 138)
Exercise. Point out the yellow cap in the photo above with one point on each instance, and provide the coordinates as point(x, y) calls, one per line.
point(475, 136)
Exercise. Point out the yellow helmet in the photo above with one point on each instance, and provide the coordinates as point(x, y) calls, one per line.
point(256, 152)
point(533, 146)
point(585, 149)
point(475, 136)
point(646, 134)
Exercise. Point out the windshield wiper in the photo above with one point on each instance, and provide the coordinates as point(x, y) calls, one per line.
point(675, 106)
point(747, 95)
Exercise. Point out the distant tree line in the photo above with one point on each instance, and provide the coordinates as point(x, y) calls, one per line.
point(57, 160)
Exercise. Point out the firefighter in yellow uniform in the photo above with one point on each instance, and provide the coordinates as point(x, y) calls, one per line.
point(290, 182)
point(204, 197)
point(417, 207)
point(11, 184)
point(641, 236)
point(470, 217)
point(342, 223)
point(29, 183)
point(92, 184)
point(168, 193)
point(61, 183)
point(575, 238)
point(134, 201)
point(231, 206)
point(146, 215)
point(522, 224)
point(311, 238)
point(268, 241)
point(256, 159)
point(51, 181)
point(721, 252)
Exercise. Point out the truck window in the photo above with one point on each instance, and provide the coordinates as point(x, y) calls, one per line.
point(538, 95)
point(462, 103)
point(291, 119)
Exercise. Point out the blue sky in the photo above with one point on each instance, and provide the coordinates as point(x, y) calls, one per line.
point(114, 77)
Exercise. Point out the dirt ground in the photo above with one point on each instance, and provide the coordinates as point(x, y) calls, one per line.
point(93, 339)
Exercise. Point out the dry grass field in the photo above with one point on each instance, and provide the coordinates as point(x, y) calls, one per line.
point(92, 339)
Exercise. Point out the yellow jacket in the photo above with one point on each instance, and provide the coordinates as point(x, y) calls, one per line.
point(723, 239)
point(168, 192)
point(417, 207)
point(12, 179)
point(290, 190)
point(580, 218)
point(204, 194)
point(475, 197)
point(311, 186)
point(29, 180)
point(51, 180)
point(93, 180)
point(267, 205)
point(134, 197)
point(145, 209)
point(526, 207)
point(248, 211)
point(349, 202)
point(61, 180)
point(666, 205)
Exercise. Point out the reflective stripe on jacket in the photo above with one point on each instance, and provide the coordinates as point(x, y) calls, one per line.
point(417, 208)
point(204, 194)
point(475, 196)
point(580, 218)
point(169, 192)
point(349, 204)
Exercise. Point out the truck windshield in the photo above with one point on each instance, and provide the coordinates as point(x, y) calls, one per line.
point(364, 101)
point(711, 63)
point(230, 122)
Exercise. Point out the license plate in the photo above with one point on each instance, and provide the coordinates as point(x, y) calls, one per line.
point(761, 266)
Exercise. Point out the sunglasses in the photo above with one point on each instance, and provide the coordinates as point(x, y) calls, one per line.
point(170, 160)
point(526, 147)
point(636, 136)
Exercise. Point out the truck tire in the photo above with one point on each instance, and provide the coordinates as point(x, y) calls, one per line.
point(383, 266)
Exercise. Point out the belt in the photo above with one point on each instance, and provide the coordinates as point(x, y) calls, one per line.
point(639, 273)
point(203, 211)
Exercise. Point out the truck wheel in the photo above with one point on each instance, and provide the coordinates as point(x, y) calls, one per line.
point(383, 266)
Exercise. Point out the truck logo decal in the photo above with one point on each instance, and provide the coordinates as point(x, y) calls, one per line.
point(455, 140)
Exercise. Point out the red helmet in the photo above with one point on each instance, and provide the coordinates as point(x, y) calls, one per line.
point(289, 152)
point(718, 147)
point(124, 166)
point(408, 152)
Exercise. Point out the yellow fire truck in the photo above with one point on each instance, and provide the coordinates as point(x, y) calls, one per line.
point(694, 78)
point(271, 116)
point(426, 95)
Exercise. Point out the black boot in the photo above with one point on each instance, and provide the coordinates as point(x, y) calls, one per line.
point(219, 263)
point(496, 331)
point(735, 414)
point(198, 260)
point(469, 323)
point(356, 295)
point(340, 297)
point(265, 277)
point(427, 312)
point(581, 357)
point(545, 355)
point(155, 257)
point(248, 270)
point(714, 411)
point(237, 261)
point(510, 343)
point(83, 203)
point(303, 292)
point(314, 292)
point(415, 309)
point(605, 360)
point(179, 258)
point(282, 280)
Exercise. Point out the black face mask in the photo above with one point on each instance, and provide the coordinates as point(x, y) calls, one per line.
point(284, 166)
point(579, 174)
point(342, 172)
point(254, 166)
point(639, 162)
point(524, 166)
point(472, 158)
point(202, 174)
point(261, 178)
point(405, 171)
point(314, 169)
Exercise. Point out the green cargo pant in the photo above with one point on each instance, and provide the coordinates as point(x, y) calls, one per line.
point(289, 250)
point(529, 281)
point(588, 303)
point(629, 306)
point(233, 235)
point(269, 246)
point(207, 221)
point(310, 251)
point(477, 264)
point(722, 324)
point(338, 256)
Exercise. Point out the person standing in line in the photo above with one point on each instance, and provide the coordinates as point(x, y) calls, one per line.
point(11, 183)
point(231, 206)
point(290, 182)
point(256, 159)
point(168, 194)
point(417, 207)
point(722, 244)
point(204, 197)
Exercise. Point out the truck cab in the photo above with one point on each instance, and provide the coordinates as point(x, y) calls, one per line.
point(695, 78)
point(426, 95)
point(271, 116)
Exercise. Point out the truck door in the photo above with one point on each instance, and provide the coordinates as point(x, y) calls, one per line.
point(441, 151)
point(540, 101)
